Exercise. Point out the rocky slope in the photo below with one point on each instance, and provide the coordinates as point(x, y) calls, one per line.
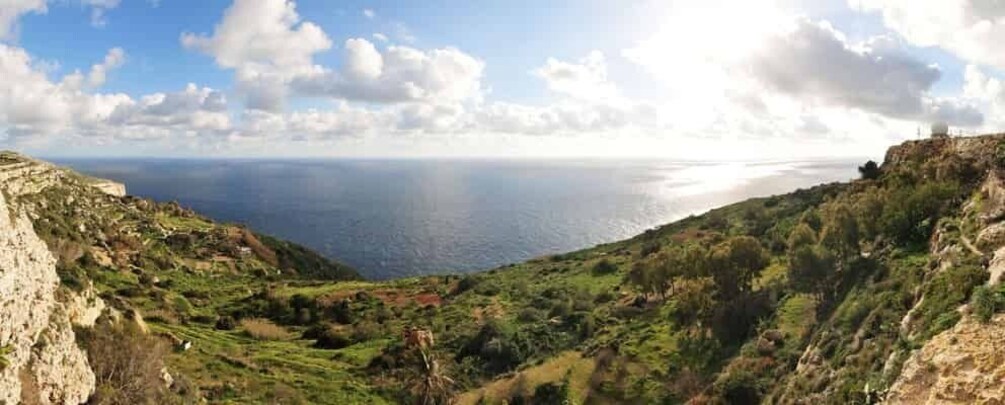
point(965, 364)
point(718, 308)
point(43, 363)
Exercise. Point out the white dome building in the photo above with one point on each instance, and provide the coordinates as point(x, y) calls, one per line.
point(940, 130)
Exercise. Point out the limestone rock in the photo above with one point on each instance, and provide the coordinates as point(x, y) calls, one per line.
point(963, 365)
point(34, 324)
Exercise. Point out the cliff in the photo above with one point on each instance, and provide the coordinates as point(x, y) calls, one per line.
point(887, 288)
point(43, 363)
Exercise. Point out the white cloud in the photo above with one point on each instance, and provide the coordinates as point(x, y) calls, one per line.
point(267, 45)
point(368, 13)
point(399, 74)
point(99, 10)
point(586, 79)
point(988, 92)
point(972, 29)
point(31, 104)
point(11, 10)
point(193, 109)
point(815, 63)
point(708, 62)
point(362, 60)
point(380, 37)
point(114, 59)
point(32, 107)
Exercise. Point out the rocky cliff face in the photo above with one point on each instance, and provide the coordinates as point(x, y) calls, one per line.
point(978, 149)
point(43, 362)
point(965, 364)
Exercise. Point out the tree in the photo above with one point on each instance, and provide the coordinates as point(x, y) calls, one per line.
point(735, 263)
point(811, 269)
point(694, 260)
point(912, 218)
point(869, 171)
point(693, 304)
point(840, 231)
point(801, 235)
point(869, 210)
point(604, 266)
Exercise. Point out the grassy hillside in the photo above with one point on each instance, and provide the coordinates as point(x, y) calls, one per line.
point(815, 295)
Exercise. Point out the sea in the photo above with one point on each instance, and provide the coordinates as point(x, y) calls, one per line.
point(392, 218)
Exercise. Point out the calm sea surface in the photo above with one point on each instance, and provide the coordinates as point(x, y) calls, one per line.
point(393, 218)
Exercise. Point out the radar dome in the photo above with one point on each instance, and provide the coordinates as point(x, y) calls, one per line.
point(940, 129)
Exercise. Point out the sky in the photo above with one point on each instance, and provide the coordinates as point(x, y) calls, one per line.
point(675, 79)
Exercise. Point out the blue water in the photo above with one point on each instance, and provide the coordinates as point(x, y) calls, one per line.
point(393, 218)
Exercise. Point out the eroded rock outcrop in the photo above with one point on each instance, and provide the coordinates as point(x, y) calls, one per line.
point(44, 363)
point(963, 365)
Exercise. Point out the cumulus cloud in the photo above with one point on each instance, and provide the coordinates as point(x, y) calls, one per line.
point(815, 62)
point(266, 44)
point(191, 110)
point(11, 10)
point(986, 91)
point(399, 74)
point(585, 79)
point(33, 106)
point(557, 119)
point(972, 29)
point(368, 13)
point(99, 73)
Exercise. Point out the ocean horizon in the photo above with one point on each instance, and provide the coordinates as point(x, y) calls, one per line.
point(392, 218)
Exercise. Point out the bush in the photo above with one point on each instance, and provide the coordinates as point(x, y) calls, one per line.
point(604, 266)
point(365, 331)
point(947, 291)
point(1000, 155)
point(986, 302)
point(869, 171)
point(911, 220)
point(498, 345)
point(226, 323)
point(127, 363)
point(466, 283)
point(328, 337)
point(529, 315)
point(650, 248)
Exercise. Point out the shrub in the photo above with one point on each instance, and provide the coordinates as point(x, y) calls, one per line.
point(365, 331)
point(226, 323)
point(529, 315)
point(466, 284)
point(551, 393)
point(869, 171)
point(127, 363)
point(985, 302)
point(947, 291)
point(649, 248)
point(264, 329)
point(1000, 155)
point(498, 345)
point(331, 338)
point(603, 297)
point(604, 266)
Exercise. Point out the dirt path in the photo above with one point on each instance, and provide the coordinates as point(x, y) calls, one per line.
point(970, 246)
